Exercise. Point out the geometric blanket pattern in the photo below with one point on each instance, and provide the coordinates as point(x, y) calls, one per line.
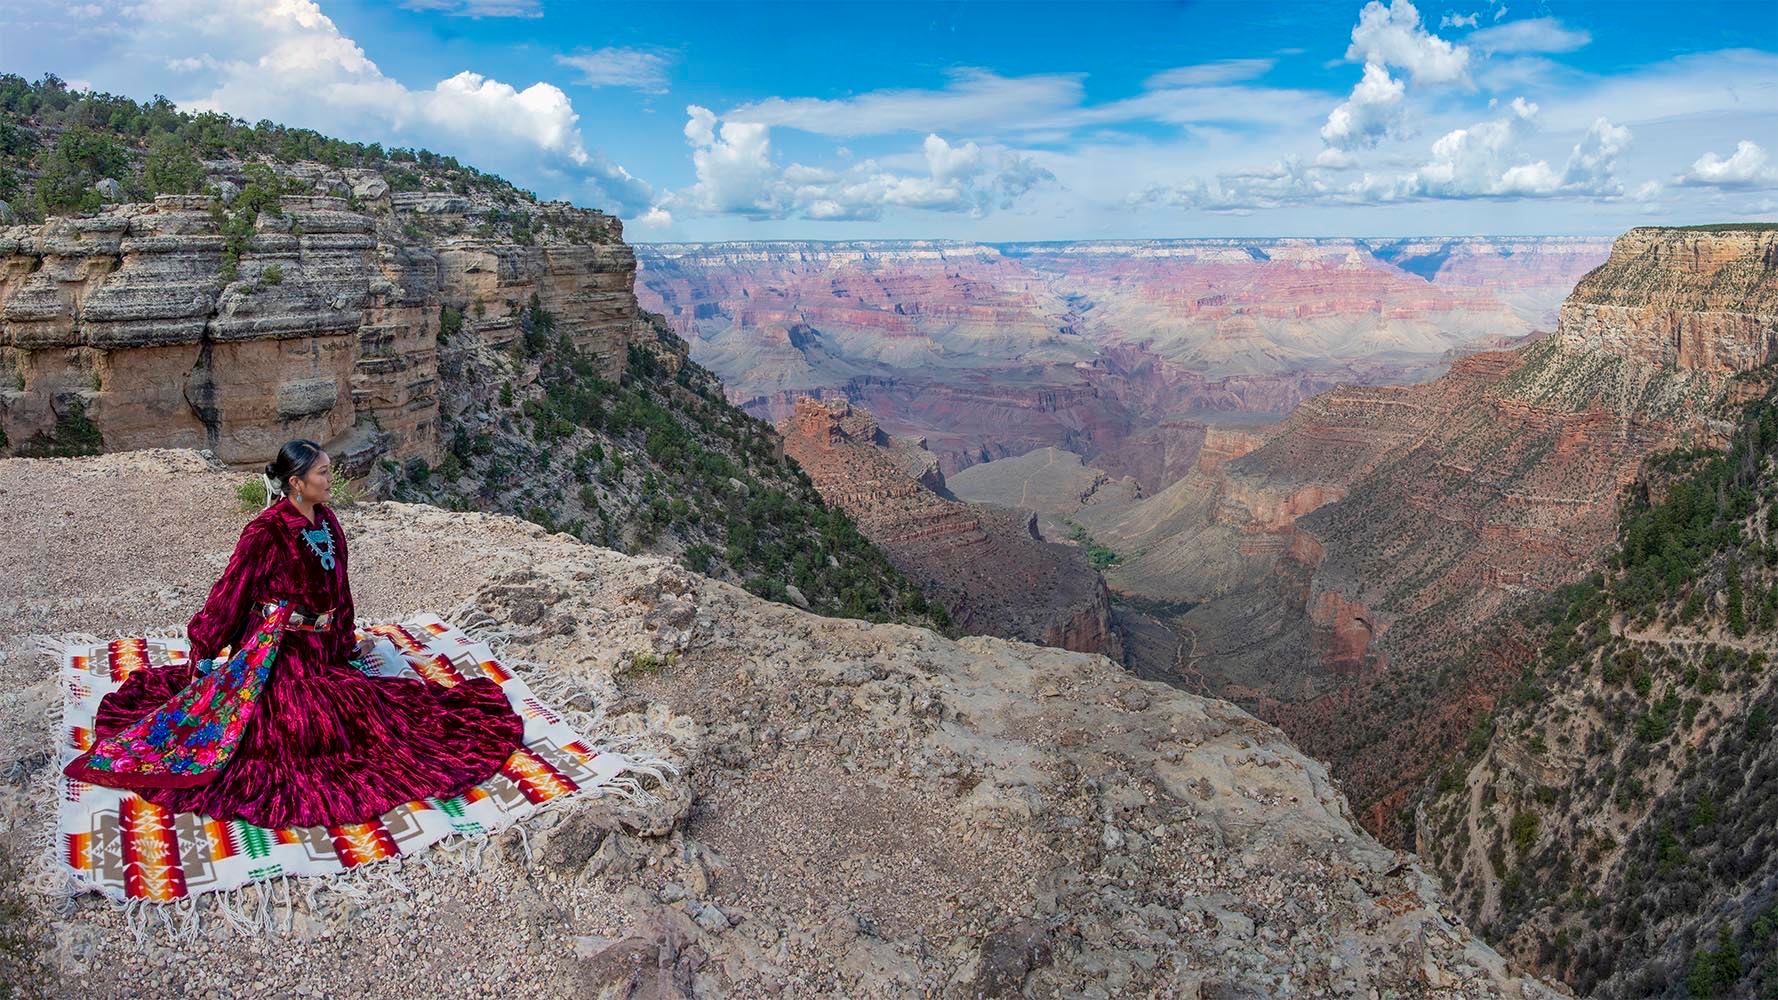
point(118, 843)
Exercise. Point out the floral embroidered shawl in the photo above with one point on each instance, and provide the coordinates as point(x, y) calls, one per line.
point(190, 739)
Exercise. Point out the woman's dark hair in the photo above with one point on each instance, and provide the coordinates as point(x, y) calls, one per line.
point(296, 458)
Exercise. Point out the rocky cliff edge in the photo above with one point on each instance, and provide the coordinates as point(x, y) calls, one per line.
point(864, 810)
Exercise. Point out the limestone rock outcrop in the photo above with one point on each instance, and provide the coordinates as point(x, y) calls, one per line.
point(1720, 317)
point(156, 326)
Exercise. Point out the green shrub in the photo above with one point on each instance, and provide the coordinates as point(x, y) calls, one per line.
point(81, 158)
point(75, 434)
point(450, 323)
point(1714, 972)
point(250, 494)
point(171, 167)
point(1523, 830)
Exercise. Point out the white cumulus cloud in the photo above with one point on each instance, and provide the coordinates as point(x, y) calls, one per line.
point(1387, 36)
point(1373, 112)
point(1747, 168)
point(737, 174)
point(289, 62)
point(1393, 36)
point(1486, 160)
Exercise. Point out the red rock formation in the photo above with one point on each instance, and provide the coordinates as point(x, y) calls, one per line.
point(1351, 565)
point(1119, 352)
point(986, 565)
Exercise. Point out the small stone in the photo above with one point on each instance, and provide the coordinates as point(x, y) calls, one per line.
point(710, 918)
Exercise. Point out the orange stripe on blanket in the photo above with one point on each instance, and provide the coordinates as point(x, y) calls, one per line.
point(359, 843)
point(77, 849)
point(438, 670)
point(222, 839)
point(80, 737)
point(399, 636)
point(127, 656)
point(535, 777)
point(150, 852)
point(493, 669)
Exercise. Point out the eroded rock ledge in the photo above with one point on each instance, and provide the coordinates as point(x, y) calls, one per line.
point(324, 322)
point(865, 810)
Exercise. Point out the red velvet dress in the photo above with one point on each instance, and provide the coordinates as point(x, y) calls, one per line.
point(316, 741)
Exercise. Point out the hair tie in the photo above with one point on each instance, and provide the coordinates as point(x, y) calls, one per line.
point(271, 490)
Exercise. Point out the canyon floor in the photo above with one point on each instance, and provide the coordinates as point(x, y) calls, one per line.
point(862, 810)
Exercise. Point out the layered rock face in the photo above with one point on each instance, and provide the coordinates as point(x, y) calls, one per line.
point(327, 330)
point(1114, 350)
point(1346, 571)
point(859, 810)
point(986, 565)
point(1616, 824)
point(1722, 318)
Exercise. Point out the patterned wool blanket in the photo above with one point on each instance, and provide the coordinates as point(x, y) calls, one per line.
point(135, 852)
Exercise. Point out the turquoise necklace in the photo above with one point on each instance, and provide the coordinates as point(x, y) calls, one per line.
point(321, 543)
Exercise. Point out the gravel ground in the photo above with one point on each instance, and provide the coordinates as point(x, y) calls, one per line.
point(862, 810)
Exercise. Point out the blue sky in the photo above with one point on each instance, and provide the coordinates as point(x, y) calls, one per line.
point(856, 120)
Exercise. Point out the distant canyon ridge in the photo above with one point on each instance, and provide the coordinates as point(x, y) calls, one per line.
point(1123, 352)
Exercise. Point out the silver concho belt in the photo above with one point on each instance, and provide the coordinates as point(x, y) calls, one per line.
point(301, 619)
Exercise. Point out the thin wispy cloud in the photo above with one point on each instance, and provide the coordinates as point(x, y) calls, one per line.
point(974, 99)
point(1206, 74)
point(636, 69)
point(478, 8)
point(1538, 34)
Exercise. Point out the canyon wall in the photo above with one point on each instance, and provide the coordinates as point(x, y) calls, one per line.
point(1120, 351)
point(130, 321)
point(988, 566)
point(1346, 572)
point(1699, 299)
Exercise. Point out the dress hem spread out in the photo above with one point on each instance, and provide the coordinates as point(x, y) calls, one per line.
point(287, 730)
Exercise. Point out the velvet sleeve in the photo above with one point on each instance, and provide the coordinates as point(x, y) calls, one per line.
point(347, 626)
point(224, 615)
